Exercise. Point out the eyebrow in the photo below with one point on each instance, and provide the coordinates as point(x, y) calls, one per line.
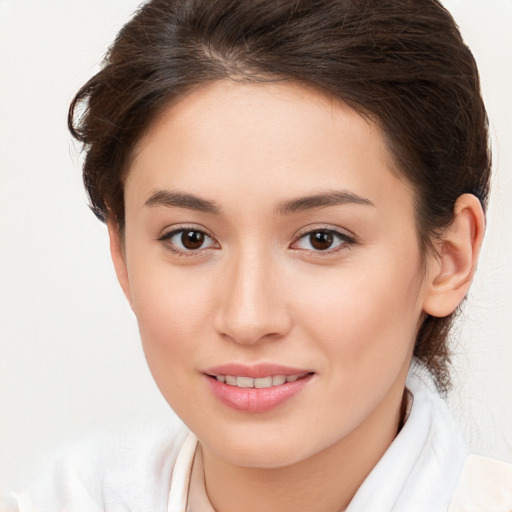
point(171, 198)
point(322, 200)
point(181, 200)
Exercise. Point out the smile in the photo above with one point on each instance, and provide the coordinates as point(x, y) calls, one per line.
point(256, 389)
point(258, 383)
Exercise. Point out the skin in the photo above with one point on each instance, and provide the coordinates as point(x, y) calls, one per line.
point(258, 291)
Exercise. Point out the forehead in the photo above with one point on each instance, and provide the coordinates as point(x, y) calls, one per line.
point(258, 139)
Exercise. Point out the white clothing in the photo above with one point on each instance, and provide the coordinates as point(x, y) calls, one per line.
point(156, 471)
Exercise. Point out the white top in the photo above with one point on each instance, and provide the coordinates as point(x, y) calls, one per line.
point(161, 471)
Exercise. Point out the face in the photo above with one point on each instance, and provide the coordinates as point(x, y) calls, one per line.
point(271, 258)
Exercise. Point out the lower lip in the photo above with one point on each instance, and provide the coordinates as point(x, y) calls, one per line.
point(256, 400)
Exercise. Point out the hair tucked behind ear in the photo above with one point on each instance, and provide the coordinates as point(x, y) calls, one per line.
point(401, 63)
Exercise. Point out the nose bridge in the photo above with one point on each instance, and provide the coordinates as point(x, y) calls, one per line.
point(252, 307)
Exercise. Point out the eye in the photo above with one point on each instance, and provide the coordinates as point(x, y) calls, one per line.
point(322, 240)
point(187, 240)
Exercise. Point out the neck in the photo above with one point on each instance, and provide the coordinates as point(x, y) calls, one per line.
point(326, 481)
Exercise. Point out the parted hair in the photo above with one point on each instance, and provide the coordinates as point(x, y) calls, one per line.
point(401, 64)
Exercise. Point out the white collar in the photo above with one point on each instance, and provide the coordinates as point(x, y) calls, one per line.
point(419, 471)
point(421, 468)
point(180, 479)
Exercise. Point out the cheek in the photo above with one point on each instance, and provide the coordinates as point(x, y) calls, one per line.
point(366, 314)
point(172, 307)
point(366, 326)
point(172, 316)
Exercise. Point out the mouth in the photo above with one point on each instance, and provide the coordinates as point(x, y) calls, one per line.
point(256, 389)
point(259, 382)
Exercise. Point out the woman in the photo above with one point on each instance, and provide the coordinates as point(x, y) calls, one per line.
point(295, 199)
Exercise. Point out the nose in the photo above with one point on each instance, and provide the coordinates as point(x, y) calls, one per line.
point(252, 307)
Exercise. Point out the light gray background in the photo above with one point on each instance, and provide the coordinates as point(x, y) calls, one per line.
point(70, 360)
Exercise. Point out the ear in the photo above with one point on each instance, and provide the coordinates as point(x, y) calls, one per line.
point(451, 270)
point(119, 258)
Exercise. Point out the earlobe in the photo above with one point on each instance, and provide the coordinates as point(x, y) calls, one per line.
point(119, 259)
point(451, 270)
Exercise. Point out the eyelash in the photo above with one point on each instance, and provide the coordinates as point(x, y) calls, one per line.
point(169, 245)
point(344, 240)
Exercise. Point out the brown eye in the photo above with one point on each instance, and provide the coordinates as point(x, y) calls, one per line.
point(192, 239)
point(187, 240)
point(321, 240)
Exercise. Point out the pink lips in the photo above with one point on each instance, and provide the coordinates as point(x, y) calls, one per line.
point(256, 400)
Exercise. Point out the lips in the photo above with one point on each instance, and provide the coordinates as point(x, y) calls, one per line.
point(258, 388)
point(258, 383)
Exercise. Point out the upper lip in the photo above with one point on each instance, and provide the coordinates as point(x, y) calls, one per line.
point(256, 371)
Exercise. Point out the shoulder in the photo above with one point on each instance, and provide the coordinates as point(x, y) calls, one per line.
point(122, 471)
point(485, 486)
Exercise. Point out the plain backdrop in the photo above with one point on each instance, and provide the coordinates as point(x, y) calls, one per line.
point(70, 357)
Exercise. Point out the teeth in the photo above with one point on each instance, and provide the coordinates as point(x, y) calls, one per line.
point(277, 380)
point(231, 380)
point(245, 382)
point(259, 383)
point(264, 382)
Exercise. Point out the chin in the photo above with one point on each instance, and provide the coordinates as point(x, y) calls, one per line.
point(259, 450)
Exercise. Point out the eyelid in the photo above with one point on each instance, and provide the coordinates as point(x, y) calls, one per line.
point(171, 231)
point(342, 232)
point(347, 238)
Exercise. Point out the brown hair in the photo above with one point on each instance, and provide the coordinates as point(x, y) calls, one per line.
point(401, 63)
